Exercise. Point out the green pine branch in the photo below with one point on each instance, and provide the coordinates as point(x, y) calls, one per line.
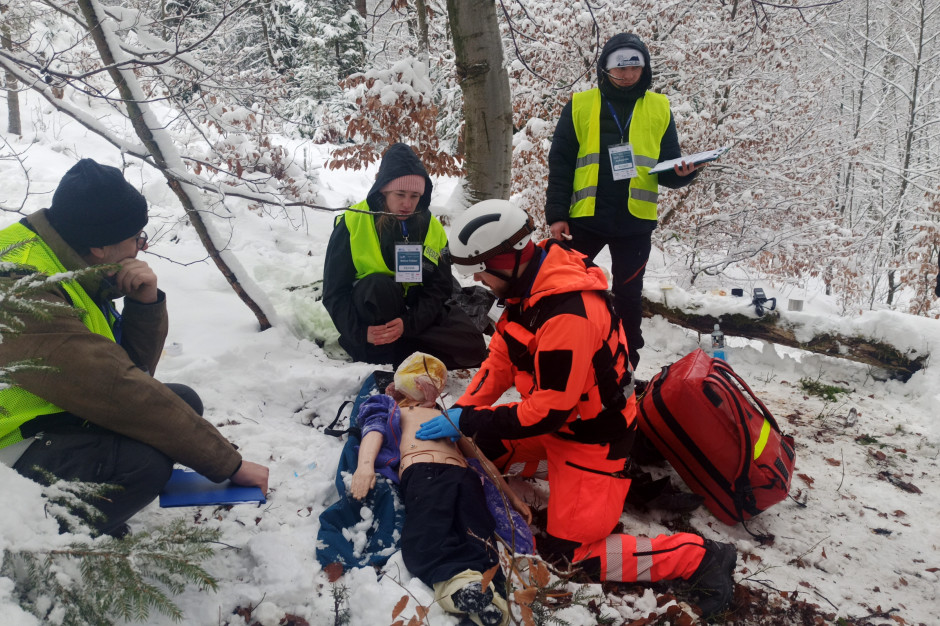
point(116, 579)
point(21, 290)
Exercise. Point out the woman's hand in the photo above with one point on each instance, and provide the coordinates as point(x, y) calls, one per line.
point(685, 169)
point(560, 230)
point(385, 333)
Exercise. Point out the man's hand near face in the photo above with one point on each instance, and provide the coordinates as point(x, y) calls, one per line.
point(136, 280)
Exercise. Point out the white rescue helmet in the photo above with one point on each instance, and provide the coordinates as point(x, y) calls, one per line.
point(485, 230)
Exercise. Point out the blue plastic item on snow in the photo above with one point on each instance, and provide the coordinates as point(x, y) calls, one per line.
point(189, 488)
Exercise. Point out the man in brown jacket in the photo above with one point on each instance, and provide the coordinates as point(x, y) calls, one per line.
point(95, 413)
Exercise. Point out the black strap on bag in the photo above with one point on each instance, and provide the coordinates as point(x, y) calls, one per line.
point(339, 432)
point(376, 382)
point(743, 492)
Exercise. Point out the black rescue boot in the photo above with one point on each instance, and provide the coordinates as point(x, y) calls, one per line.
point(711, 587)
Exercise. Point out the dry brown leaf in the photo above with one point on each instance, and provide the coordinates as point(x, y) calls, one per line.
point(400, 606)
point(664, 599)
point(807, 479)
point(421, 611)
point(525, 597)
point(488, 576)
point(540, 574)
point(835, 462)
point(414, 621)
point(333, 571)
point(686, 620)
point(527, 617)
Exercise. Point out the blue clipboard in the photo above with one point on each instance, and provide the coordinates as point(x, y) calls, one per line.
point(189, 488)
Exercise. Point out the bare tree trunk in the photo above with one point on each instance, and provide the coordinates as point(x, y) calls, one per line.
point(487, 106)
point(424, 43)
point(13, 99)
point(267, 39)
point(136, 112)
point(361, 8)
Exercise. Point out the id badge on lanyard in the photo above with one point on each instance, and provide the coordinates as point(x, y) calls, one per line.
point(622, 163)
point(408, 262)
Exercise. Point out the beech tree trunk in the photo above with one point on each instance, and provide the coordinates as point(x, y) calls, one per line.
point(487, 108)
point(13, 100)
point(136, 113)
point(424, 43)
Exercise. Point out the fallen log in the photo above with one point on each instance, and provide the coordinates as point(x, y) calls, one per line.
point(888, 362)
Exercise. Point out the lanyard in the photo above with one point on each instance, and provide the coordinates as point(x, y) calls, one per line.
point(404, 229)
point(115, 319)
point(617, 120)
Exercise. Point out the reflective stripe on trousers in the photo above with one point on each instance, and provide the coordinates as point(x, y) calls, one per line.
point(613, 568)
point(625, 558)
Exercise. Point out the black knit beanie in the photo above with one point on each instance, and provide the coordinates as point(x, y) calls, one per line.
point(94, 206)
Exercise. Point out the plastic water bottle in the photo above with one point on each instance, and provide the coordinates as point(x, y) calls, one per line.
point(718, 344)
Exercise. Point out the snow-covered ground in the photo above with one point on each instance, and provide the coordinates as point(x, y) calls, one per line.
point(862, 540)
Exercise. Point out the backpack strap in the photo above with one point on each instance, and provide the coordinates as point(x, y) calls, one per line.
point(338, 432)
point(743, 493)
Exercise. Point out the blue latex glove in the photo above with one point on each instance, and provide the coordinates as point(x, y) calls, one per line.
point(441, 426)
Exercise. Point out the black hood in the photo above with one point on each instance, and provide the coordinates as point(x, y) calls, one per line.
point(399, 160)
point(624, 40)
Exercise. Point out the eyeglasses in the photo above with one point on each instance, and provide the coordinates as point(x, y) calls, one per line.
point(141, 240)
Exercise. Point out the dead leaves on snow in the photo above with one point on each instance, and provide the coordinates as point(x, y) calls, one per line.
point(418, 618)
point(898, 482)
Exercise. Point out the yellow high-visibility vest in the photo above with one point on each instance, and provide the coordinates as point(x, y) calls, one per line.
point(647, 127)
point(367, 251)
point(19, 404)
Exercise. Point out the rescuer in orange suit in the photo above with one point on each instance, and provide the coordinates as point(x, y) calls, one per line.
point(559, 344)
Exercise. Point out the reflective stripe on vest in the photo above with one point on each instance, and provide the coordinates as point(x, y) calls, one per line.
point(648, 125)
point(20, 405)
point(367, 250)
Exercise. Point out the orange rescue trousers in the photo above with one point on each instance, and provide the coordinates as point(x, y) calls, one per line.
point(585, 503)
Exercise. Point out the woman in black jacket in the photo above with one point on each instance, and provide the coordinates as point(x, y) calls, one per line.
point(387, 279)
point(592, 208)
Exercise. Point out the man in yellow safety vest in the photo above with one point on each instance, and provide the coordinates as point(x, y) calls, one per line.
point(94, 412)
